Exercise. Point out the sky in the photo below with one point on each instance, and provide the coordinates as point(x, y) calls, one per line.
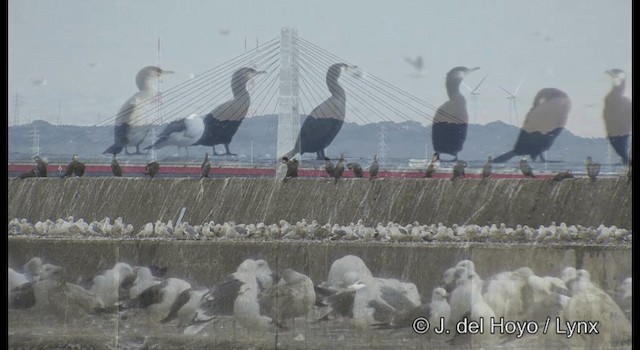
point(87, 52)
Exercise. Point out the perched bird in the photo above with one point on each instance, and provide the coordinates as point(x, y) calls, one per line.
point(30, 173)
point(373, 169)
point(617, 115)
point(325, 121)
point(449, 130)
point(221, 124)
point(526, 168)
point(293, 296)
point(115, 167)
point(292, 167)
point(433, 165)
point(487, 168)
point(593, 169)
point(436, 311)
point(328, 166)
point(356, 168)
point(75, 167)
point(458, 170)
point(563, 175)
point(205, 168)
point(181, 133)
point(130, 128)
point(544, 122)
point(41, 166)
point(337, 172)
point(152, 169)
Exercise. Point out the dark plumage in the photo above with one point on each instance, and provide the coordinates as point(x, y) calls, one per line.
point(152, 169)
point(115, 167)
point(526, 168)
point(617, 115)
point(373, 169)
point(292, 167)
point(356, 168)
point(130, 128)
point(433, 165)
point(41, 166)
point(325, 121)
point(487, 168)
point(205, 168)
point(458, 170)
point(30, 173)
point(328, 166)
point(75, 167)
point(544, 122)
point(181, 133)
point(593, 169)
point(563, 175)
point(337, 172)
point(449, 130)
point(222, 123)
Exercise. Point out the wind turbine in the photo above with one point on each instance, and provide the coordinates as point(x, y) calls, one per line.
point(475, 94)
point(512, 101)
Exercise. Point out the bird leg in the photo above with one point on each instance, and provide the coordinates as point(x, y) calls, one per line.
point(216, 153)
point(138, 149)
point(226, 147)
point(320, 154)
point(542, 160)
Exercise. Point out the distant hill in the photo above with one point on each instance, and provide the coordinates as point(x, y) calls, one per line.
point(403, 140)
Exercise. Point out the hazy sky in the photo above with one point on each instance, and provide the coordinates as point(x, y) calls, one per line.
point(89, 51)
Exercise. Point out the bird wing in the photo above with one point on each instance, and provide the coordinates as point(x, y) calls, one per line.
point(333, 107)
point(234, 109)
point(548, 115)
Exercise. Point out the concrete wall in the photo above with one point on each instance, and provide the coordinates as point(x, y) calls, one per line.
point(251, 200)
point(203, 263)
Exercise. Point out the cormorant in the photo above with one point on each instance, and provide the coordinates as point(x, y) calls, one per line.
point(181, 133)
point(617, 115)
point(449, 130)
point(339, 169)
point(75, 167)
point(563, 175)
point(41, 166)
point(373, 169)
point(356, 168)
point(115, 167)
point(544, 122)
point(328, 166)
point(433, 166)
point(30, 173)
point(222, 123)
point(324, 122)
point(487, 168)
point(458, 170)
point(526, 168)
point(130, 129)
point(593, 169)
point(152, 169)
point(292, 167)
point(205, 168)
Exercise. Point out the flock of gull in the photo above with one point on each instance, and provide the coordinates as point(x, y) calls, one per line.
point(260, 299)
point(303, 230)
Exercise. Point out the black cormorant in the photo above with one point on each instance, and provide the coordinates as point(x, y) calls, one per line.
point(328, 166)
point(458, 170)
point(41, 166)
point(324, 122)
point(487, 168)
point(130, 128)
point(292, 167)
point(152, 169)
point(75, 167)
point(544, 122)
point(526, 169)
point(617, 115)
point(30, 173)
point(373, 169)
point(115, 167)
point(433, 166)
point(593, 169)
point(181, 133)
point(449, 130)
point(222, 123)
point(563, 175)
point(356, 168)
point(339, 169)
point(205, 168)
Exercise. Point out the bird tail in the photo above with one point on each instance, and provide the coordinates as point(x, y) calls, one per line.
point(505, 157)
point(114, 149)
point(296, 149)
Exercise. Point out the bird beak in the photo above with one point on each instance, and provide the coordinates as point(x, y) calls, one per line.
point(167, 72)
point(472, 69)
